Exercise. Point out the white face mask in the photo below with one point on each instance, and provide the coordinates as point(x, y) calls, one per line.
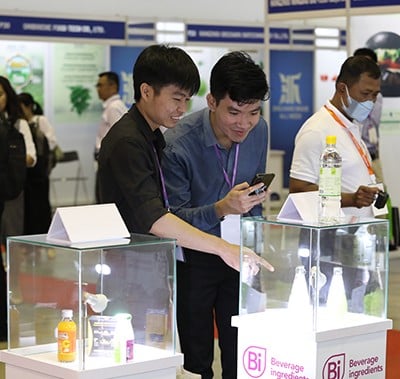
point(357, 110)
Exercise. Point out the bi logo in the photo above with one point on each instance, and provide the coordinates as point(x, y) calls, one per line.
point(334, 367)
point(254, 361)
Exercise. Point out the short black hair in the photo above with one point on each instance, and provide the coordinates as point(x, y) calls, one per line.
point(354, 66)
point(162, 65)
point(237, 75)
point(112, 77)
point(365, 51)
point(13, 108)
point(28, 100)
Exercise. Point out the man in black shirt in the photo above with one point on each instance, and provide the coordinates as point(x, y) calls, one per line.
point(130, 173)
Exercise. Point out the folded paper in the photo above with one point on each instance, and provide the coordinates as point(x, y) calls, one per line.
point(86, 224)
point(300, 207)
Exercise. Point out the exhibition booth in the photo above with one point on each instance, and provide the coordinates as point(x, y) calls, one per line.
point(58, 61)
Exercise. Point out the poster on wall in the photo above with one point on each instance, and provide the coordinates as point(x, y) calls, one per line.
point(23, 64)
point(383, 36)
point(205, 59)
point(327, 67)
point(73, 73)
point(122, 59)
point(75, 68)
point(291, 100)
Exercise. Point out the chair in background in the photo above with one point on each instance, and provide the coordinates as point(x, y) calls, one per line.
point(62, 174)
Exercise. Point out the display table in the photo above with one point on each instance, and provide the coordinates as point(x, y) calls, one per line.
point(135, 276)
point(40, 362)
point(322, 313)
point(274, 343)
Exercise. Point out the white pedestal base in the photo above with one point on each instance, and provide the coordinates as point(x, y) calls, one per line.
point(149, 363)
point(275, 344)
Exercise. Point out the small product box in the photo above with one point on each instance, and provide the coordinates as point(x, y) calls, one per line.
point(101, 331)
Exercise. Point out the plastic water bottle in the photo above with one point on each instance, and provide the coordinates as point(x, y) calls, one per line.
point(66, 336)
point(337, 300)
point(124, 338)
point(299, 298)
point(366, 246)
point(330, 183)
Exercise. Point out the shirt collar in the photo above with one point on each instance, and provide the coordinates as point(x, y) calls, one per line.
point(112, 98)
point(349, 124)
point(155, 137)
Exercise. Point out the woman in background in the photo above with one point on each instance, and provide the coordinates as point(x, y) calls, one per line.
point(37, 202)
point(12, 221)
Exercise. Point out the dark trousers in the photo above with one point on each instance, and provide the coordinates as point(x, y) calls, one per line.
point(206, 286)
point(3, 293)
point(37, 208)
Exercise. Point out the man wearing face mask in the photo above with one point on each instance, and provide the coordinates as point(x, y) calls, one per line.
point(357, 87)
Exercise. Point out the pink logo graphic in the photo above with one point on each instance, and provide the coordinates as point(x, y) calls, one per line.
point(334, 367)
point(254, 361)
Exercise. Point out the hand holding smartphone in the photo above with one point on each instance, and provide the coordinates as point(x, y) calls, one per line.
point(261, 178)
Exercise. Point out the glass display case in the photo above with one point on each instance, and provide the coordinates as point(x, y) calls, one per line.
point(329, 287)
point(98, 282)
point(306, 258)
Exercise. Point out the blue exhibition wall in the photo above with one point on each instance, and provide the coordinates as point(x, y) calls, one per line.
point(291, 100)
point(122, 59)
point(299, 79)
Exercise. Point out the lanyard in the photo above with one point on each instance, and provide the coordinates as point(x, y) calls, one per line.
point(163, 187)
point(359, 148)
point(230, 182)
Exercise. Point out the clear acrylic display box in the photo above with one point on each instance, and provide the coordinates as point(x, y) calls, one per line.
point(137, 276)
point(303, 288)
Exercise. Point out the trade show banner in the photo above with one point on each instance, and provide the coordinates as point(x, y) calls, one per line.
point(223, 34)
point(282, 6)
point(63, 28)
point(291, 100)
point(122, 59)
point(383, 36)
point(327, 67)
point(23, 63)
point(372, 3)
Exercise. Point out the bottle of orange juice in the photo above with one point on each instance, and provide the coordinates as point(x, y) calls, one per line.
point(66, 336)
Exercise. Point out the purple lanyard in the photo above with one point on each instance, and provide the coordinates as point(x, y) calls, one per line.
point(163, 187)
point(228, 181)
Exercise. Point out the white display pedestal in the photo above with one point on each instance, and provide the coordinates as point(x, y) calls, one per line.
point(38, 363)
point(278, 344)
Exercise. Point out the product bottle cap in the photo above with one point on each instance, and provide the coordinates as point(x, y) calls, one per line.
point(337, 271)
point(331, 140)
point(123, 316)
point(67, 313)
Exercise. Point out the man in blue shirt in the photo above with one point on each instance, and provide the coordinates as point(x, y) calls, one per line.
point(210, 159)
point(130, 175)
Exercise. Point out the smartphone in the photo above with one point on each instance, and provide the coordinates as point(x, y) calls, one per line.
point(264, 178)
point(381, 199)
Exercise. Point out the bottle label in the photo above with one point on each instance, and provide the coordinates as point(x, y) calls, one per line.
point(129, 350)
point(66, 342)
point(330, 181)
